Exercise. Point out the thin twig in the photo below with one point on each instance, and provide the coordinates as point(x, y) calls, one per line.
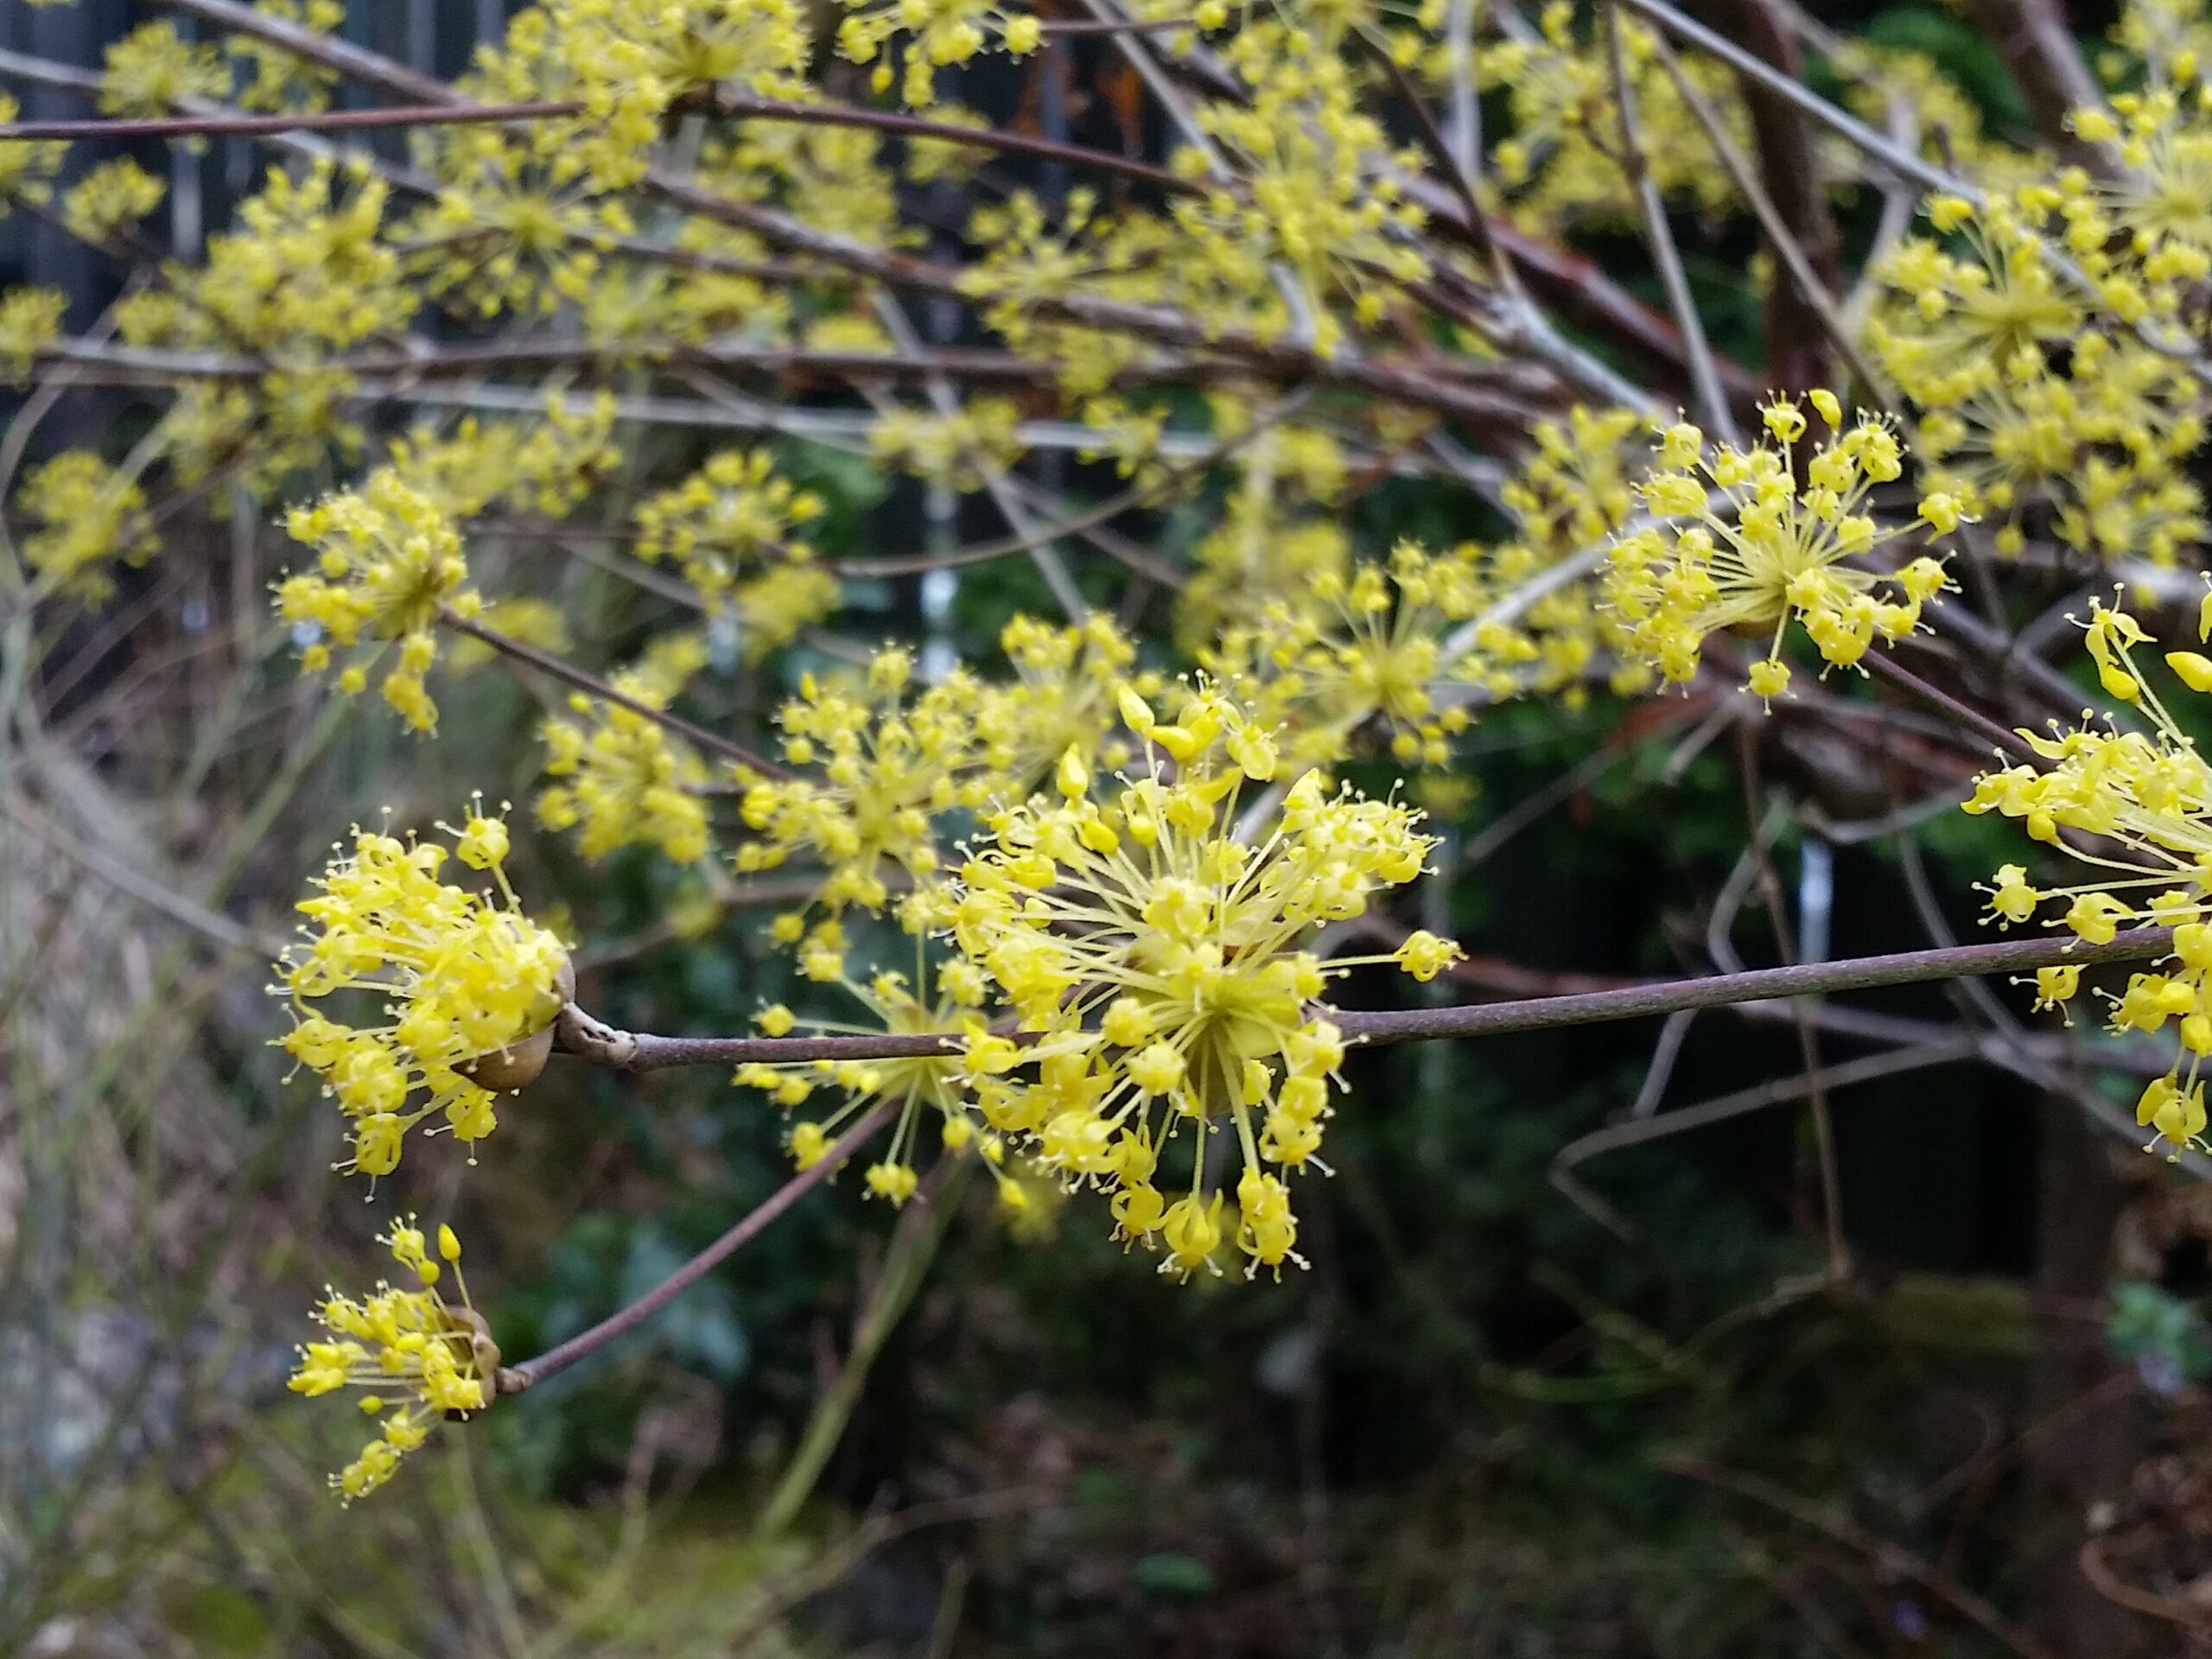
point(1704, 377)
point(592, 685)
point(1882, 664)
point(554, 1361)
point(255, 126)
point(1786, 246)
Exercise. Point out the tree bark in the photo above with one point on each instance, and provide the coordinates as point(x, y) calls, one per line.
point(1798, 356)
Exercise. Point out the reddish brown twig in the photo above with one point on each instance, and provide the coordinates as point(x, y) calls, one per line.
point(567, 672)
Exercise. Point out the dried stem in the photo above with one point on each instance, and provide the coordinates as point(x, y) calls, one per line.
point(1973, 719)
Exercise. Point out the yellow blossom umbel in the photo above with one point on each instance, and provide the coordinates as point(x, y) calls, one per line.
point(1164, 964)
point(1378, 649)
point(731, 526)
point(872, 768)
point(2139, 805)
point(421, 1358)
point(937, 35)
point(624, 778)
point(87, 518)
point(923, 1086)
point(456, 975)
point(1744, 545)
point(386, 560)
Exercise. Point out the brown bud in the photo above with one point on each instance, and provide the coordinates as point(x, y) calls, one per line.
point(504, 1070)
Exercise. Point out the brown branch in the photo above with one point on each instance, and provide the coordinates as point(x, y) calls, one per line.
point(2046, 65)
point(255, 126)
point(469, 359)
point(1886, 666)
point(1794, 332)
point(554, 1361)
point(569, 674)
point(640, 1051)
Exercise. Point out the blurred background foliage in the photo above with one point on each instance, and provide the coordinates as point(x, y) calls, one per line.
point(1504, 1412)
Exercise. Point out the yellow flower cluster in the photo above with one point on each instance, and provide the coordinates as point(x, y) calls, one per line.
point(2037, 388)
point(926, 1086)
point(420, 1356)
point(85, 518)
point(27, 168)
point(1743, 543)
point(106, 205)
point(733, 514)
point(1159, 960)
point(465, 984)
point(957, 451)
point(30, 321)
point(1317, 194)
point(1561, 166)
point(887, 765)
point(386, 560)
point(1572, 497)
point(624, 778)
point(1376, 650)
point(2145, 799)
point(548, 464)
point(278, 80)
point(1061, 697)
point(1277, 535)
point(153, 69)
point(935, 33)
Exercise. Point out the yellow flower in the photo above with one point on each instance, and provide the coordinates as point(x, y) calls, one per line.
point(110, 201)
point(733, 519)
point(1060, 700)
point(872, 770)
point(462, 981)
point(386, 559)
point(278, 79)
point(955, 451)
point(623, 777)
point(2146, 799)
point(27, 169)
point(938, 1087)
point(30, 321)
point(1164, 965)
point(436, 1356)
point(939, 35)
point(153, 69)
point(1379, 649)
point(1560, 165)
point(87, 517)
point(1759, 547)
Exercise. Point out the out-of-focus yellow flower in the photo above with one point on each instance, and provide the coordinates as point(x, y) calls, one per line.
point(386, 560)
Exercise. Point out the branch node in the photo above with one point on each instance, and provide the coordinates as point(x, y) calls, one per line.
point(584, 1034)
